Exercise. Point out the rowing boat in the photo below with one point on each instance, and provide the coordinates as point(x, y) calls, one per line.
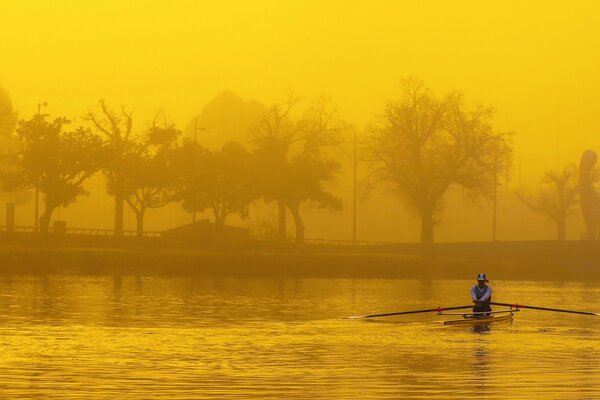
point(480, 318)
point(479, 321)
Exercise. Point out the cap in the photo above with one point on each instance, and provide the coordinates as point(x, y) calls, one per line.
point(482, 277)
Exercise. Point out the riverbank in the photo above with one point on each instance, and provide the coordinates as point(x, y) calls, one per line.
point(20, 260)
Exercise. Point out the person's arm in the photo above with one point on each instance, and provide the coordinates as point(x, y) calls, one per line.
point(473, 295)
point(487, 295)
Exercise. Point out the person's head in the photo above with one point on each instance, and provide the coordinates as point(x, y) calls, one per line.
point(482, 279)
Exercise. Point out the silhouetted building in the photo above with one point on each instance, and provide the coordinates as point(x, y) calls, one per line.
point(203, 234)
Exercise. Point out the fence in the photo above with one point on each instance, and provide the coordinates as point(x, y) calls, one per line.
point(81, 231)
point(107, 237)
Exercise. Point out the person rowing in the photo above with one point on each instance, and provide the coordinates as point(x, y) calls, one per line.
point(481, 295)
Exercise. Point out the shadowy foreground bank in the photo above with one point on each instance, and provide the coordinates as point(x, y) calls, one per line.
point(14, 260)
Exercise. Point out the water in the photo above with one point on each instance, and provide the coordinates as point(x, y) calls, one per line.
point(156, 337)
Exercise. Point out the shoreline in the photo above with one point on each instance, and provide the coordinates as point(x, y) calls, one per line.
point(94, 261)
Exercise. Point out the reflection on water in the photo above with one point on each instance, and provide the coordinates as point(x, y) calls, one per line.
point(157, 337)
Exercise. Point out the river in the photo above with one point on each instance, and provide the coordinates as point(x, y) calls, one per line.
point(107, 337)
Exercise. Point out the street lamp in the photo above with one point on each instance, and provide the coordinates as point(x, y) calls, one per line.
point(355, 186)
point(196, 129)
point(37, 189)
point(354, 192)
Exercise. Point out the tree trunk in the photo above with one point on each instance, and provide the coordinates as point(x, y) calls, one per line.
point(139, 216)
point(119, 208)
point(561, 224)
point(427, 233)
point(282, 227)
point(219, 223)
point(45, 219)
point(299, 225)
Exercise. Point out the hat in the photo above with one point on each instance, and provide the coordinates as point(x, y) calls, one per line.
point(482, 277)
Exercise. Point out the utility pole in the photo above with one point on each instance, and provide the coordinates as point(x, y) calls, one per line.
point(37, 189)
point(196, 129)
point(354, 192)
point(558, 136)
point(495, 197)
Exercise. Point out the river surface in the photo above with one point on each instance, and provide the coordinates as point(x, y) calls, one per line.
point(104, 337)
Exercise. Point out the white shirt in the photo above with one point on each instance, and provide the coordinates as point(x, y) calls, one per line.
point(475, 290)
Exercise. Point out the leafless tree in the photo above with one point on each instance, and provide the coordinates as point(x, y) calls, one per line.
point(116, 128)
point(424, 145)
point(291, 159)
point(557, 197)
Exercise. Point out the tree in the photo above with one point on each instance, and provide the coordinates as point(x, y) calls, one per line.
point(226, 118)
point(55, 161)
point(305, 179)
point(148, 177)
point(589, 195)
point(116, 129)
point(424, 146)
point(556, 199)
point(285, 145)
point(8, 120)
point(189, 166)
point(8, 142)
point(221, 181)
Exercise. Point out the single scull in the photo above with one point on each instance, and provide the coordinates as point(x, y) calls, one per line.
point(478, 318)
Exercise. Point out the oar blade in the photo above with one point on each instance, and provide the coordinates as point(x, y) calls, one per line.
point(518, 305)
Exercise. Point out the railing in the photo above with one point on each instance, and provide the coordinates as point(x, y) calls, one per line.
point(320, 241)
point(81, 231)
point(156, 234)
point(344, 242)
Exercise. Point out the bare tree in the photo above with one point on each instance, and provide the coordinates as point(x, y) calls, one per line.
point(556, 199)
point(275, 135)
point(291, 161)
point(149, 178)
point(424, 146)
point(589, 194)
point(116, 128)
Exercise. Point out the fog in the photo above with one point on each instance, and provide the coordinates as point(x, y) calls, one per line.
point(535, 63)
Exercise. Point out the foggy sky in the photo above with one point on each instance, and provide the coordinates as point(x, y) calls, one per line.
point(536, 62)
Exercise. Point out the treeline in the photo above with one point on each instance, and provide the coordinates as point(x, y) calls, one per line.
point(421, 146)
point(286, 164)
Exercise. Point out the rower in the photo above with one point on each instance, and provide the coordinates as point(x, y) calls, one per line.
point(481, 295)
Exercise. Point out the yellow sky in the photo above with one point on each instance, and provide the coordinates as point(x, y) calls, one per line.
point(537, 62)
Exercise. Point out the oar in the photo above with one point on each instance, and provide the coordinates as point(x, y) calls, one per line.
point(439, 309)
point(516, 305)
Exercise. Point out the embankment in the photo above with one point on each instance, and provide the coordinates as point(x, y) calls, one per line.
point(449, 264)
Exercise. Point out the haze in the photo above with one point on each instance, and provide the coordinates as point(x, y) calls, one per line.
point(537, 63)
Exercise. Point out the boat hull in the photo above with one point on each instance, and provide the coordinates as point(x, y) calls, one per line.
point(479, 321)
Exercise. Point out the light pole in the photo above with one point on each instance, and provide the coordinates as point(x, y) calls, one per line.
point(355, 187)
point(495, 203)
point(495, 196)
point(354, 192)
point(37, 189)
point(196, 129)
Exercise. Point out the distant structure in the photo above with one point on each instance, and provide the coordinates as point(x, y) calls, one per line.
point(590, 199)
point(203, 234)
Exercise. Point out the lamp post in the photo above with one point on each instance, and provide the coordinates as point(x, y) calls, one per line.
point(37, 189)
point(354, 192)
point(495, 200)
point(355, 187)
point(196, 129)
